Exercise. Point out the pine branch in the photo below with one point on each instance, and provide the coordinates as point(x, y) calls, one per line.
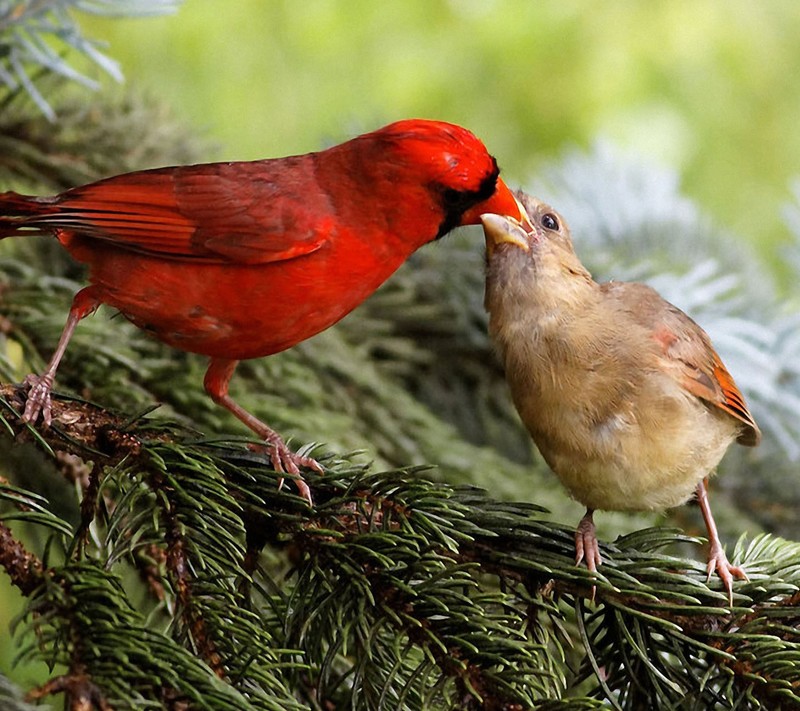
point(389, 593)
point(33, 33)
point(84, 619)
point(91, 140)
point(23, 569)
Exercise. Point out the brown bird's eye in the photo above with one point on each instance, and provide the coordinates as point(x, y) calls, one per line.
point(550, 222)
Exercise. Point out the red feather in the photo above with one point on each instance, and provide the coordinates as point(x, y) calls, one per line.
point(244, 259)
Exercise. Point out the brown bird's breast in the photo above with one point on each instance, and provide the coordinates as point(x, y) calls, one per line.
point(619, 432)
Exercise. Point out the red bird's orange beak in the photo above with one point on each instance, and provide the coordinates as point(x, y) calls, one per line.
point(502, 202)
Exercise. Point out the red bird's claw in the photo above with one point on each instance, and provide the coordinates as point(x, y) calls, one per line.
point(718, 561)
point(38, 401)
point(284, 460)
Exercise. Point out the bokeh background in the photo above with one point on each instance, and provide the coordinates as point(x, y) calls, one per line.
point(711, 89)
point(667, 132)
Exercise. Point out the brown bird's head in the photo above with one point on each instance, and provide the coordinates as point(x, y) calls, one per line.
point(441, 173)
point(536, 266)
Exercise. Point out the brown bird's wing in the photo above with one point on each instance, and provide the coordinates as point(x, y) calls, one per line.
point(693, 361)
point(711, 381)
point(255, 212)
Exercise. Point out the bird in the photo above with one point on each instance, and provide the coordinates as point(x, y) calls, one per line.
point(622, 392)
point(244, 259)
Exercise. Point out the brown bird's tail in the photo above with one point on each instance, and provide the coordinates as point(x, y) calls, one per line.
point(21, 214)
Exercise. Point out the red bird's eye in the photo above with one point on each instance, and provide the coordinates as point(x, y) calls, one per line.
point(550, 222)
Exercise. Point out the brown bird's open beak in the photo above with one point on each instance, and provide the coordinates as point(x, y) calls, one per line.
point(499, 229)
point(502, 202)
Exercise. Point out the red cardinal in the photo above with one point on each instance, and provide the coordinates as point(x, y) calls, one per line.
point(242, 260)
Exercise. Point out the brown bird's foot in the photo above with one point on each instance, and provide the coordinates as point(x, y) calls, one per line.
point(586, 545)
point(718, 561)
point(38, 401)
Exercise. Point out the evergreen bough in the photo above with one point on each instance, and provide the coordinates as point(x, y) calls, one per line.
point(161, 566)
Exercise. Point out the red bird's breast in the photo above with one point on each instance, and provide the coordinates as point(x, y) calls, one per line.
point(239, 311)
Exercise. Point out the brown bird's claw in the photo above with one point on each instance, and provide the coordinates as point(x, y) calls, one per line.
point(38, 401)
point(586, 544)
point(718, 561)
point(587, 547)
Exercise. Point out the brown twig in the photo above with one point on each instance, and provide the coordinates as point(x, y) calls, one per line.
point(81, 693)
point(24, 569)
point(182, 581)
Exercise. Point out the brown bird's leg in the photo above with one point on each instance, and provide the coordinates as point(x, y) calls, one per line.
point(283, 459)
point(39, 386)
point(716, 554)
point(586, 545)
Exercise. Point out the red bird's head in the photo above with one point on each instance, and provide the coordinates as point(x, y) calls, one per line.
point(452, 166)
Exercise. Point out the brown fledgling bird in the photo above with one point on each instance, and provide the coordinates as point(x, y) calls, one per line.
point(622, 392)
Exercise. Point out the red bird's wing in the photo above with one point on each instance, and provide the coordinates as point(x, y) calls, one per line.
point(256, 212)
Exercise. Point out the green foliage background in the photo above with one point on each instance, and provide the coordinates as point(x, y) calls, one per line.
point(711, 90)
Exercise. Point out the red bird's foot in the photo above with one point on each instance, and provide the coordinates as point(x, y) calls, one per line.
point(718, 561)
point(284, 460)
point(586, 545)
point(38, 401)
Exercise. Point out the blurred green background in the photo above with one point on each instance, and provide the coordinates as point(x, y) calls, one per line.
point(711, 88)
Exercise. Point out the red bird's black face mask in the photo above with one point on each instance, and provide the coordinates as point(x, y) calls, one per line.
point(456, 202)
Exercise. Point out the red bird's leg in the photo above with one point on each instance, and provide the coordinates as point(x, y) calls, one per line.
point(283, 459)
point(716, 553)
point(586, 545)
point(39, 386)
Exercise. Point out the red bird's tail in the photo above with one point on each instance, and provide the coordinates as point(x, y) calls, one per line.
point(19, 214)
